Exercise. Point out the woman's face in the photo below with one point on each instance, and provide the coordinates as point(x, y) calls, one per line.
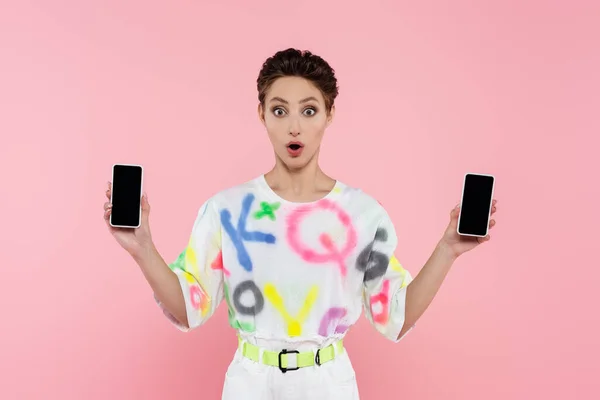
point(295, 117)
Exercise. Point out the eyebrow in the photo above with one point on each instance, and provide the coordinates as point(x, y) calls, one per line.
point(279, 99)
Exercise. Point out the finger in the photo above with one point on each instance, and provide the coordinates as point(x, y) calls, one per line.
point(145, 209)
point(108, 191)
point(483, 239)
point(145, 203)
point(107, 212)
point(494, 209)
point(492, 223)
point(454, 212)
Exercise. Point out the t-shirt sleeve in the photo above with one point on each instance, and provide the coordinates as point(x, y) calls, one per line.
point(385, 283)
point(199, 269)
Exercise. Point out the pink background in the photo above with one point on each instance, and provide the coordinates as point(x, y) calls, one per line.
point(428, 93)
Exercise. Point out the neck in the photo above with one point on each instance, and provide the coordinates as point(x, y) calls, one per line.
point(299, 182)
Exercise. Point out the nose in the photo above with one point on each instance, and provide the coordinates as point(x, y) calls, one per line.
point(294, 128)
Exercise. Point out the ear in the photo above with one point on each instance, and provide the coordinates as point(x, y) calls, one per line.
point(261, 113)
point(330, 116)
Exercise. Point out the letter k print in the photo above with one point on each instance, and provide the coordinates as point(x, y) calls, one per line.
point(239, 234)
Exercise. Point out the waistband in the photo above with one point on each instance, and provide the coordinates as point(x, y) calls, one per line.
point(290, 360)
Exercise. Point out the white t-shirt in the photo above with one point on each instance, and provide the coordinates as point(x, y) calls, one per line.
point(293, 273)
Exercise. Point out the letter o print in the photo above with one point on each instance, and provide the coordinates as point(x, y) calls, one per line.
point(259, 301)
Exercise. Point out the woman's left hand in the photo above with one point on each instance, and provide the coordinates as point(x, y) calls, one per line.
point(458, 244)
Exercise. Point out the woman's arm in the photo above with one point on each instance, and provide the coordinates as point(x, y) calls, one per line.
point(164, 283)
point(421, 291)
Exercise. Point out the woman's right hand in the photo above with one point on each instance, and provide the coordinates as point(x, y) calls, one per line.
point(133, 240)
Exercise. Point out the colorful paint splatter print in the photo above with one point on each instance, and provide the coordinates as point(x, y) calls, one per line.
point(293, 270)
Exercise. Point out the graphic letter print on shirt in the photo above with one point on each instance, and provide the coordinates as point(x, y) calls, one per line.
point(259, 301)
point(233, 321)
point(331, 317)
point(239, 234)
point(332, 253)
point(218, 263)
point(294, 325)
point(396, 266)
point(382, 298)
point(267, 210)
point(198, 299)
point(372, 262)
point(187, 262)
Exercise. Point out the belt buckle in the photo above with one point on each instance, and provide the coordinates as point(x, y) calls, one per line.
point(285, 351)
point(318, 357)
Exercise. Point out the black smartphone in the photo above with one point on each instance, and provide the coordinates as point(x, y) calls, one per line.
point(126, 196)
point(476, 204)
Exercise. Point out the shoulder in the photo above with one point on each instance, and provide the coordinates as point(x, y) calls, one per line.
point(233, 195)
point(367, 205)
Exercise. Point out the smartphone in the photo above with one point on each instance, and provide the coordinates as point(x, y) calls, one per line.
point(126, 196)
point(476, 204)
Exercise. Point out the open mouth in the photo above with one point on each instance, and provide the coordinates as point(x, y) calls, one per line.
point(295, 148)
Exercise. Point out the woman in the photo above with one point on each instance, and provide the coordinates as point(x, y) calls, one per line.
point(295, 254)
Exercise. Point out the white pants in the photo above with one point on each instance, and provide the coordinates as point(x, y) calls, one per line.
point(249, 380)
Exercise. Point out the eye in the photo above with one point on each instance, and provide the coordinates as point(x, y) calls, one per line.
point(310, 111)
point(278, 111)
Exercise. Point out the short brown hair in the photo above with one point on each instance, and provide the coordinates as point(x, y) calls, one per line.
point(293, 62)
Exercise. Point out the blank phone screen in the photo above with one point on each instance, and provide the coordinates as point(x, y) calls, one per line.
point(476, 205)
point(126, 195)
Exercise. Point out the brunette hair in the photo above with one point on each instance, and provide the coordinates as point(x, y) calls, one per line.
point(293, 62)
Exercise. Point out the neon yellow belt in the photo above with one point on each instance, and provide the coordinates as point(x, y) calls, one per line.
point(282, 358)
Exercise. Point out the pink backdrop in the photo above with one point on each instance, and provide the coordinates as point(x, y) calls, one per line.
point(428, 92)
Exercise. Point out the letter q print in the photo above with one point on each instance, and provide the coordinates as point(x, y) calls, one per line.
point(330, 254)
